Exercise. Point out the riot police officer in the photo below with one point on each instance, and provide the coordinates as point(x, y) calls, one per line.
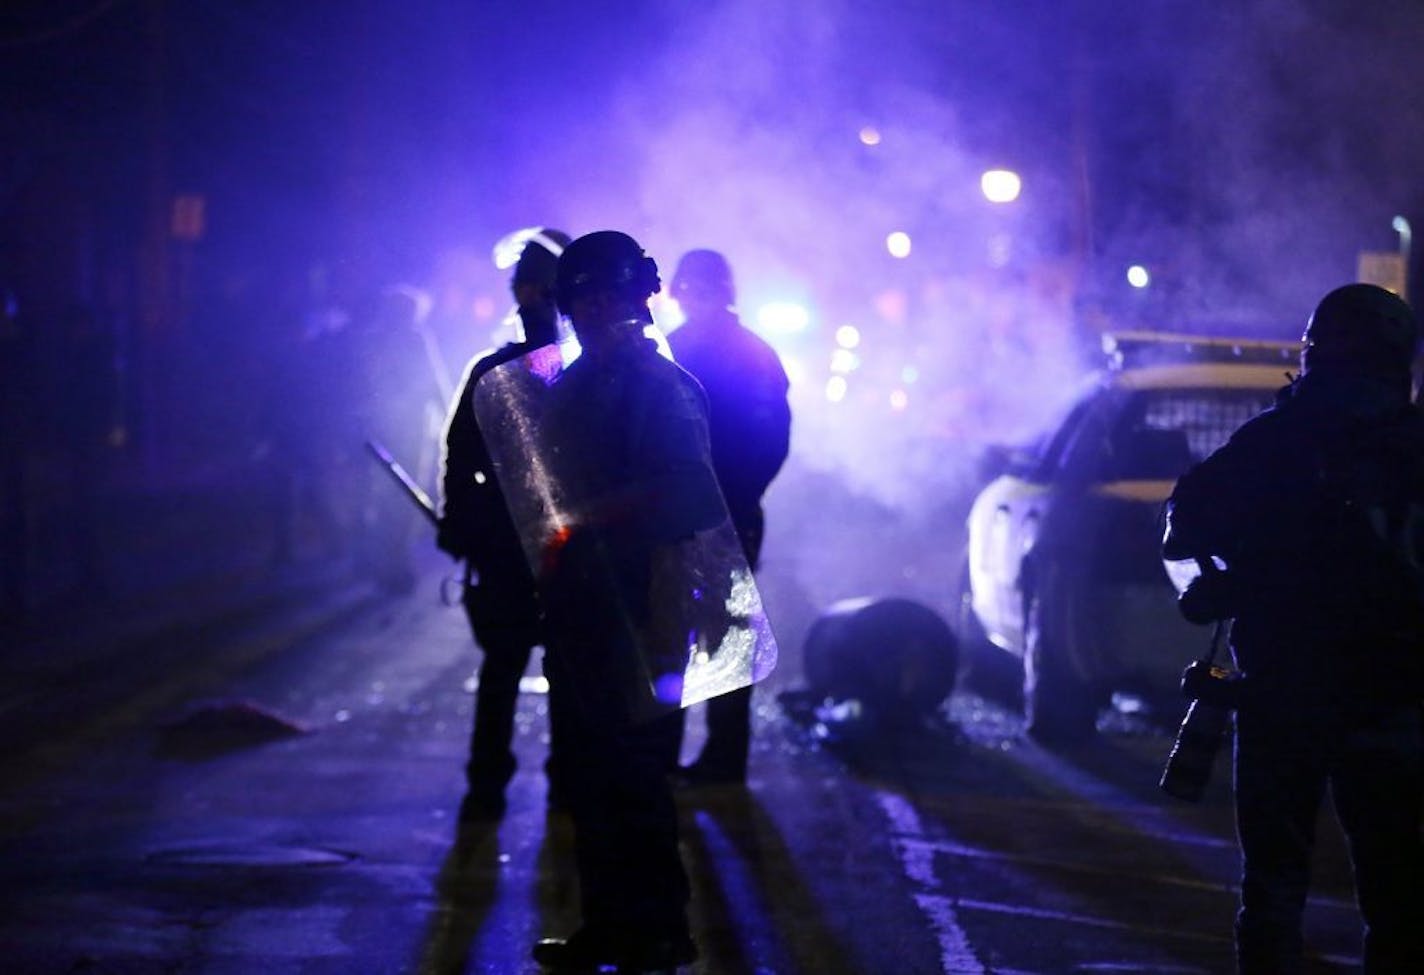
point(750, 425)
point(1315, 507)
point(499, 594)
point(633, 471)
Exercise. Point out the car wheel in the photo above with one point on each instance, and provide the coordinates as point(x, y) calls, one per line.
point(1059, 706)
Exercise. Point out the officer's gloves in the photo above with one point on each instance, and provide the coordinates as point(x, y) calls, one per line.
point(1210, 597)
point(450, 541)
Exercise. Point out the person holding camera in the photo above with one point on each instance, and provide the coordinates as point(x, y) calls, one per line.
point(1316, 510)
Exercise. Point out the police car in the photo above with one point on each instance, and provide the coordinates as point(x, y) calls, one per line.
point(1063, 568)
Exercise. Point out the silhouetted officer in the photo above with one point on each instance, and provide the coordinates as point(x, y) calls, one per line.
point(636, 479)
point(475, 525)
point(1315, 508)
point(750, 424)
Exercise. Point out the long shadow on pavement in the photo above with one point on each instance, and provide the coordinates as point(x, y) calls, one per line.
point(751, 913)
point(466, 888)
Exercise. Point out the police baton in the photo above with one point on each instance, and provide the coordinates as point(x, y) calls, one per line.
point(412, 490)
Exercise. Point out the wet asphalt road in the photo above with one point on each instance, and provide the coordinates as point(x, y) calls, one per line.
point(328, 844)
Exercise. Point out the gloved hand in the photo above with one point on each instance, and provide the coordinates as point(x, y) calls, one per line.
point(686, 604)
point(1210, 597)
point(450, 541)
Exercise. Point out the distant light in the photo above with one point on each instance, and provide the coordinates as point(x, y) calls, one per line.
point(869, 135)
point(484, 308)
point(1138, 277)
point(893, 305)
point(1000, 185)
point(836, 388)
point(844, 360)
point(783, 316)
point(847, 336)
point(898, 244)
point(899, 399)
point(909, 375)
point(666, 311)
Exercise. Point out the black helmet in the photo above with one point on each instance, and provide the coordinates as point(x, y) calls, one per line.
point(605, 260)
point(1361, 326)
point(539, 259)
point(706, 271)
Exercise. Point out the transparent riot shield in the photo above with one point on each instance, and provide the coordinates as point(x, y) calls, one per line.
point(648, 593)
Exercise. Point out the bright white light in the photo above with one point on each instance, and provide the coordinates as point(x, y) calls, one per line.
point(898, 244)
point(899, 400)
point(844, 360)
point(870, 135)
point(509, 248)
point(1000, 185)
point(658, 337)
point(836, 388)
point(783, 316)
point(666, 311)
point(847, 336)
point(1138, 277)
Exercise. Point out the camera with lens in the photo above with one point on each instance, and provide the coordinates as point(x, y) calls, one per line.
point(1214, 693)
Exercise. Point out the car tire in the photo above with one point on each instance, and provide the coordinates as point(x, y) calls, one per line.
point(1059, 706)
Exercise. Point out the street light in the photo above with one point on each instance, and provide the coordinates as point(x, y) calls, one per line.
point(1000, 185)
